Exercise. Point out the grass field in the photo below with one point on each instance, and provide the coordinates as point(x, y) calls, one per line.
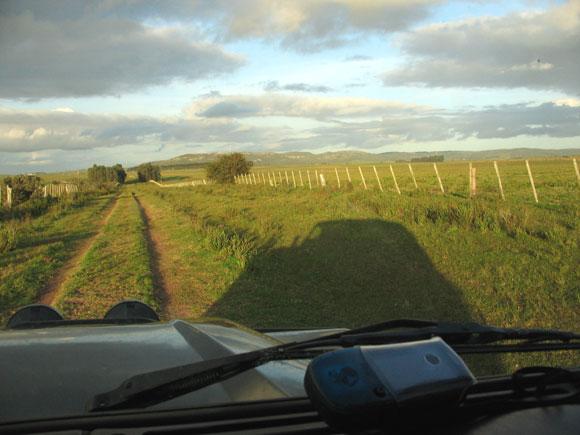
point(295, 257)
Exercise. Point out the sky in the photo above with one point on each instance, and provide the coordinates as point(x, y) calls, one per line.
point(130, 81)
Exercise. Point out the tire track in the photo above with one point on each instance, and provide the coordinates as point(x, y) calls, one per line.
point(57, 282)
point(161, 282)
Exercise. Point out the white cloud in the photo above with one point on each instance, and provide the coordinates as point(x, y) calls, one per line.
point(340, 122)
point(536, 50)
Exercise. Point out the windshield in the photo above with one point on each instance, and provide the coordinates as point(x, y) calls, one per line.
point(282, 165)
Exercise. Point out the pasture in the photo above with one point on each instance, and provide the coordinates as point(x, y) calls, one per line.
point(290, 256)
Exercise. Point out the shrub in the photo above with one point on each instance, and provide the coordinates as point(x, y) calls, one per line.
point(23, 187)
point(148, 172)
point(104, 174)
point(227, 167)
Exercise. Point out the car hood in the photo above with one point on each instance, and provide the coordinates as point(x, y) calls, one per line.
point(54, 372)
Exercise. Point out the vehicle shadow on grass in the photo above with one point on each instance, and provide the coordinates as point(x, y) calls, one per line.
point(345, 273)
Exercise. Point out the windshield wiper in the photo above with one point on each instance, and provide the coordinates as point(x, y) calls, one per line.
point(159, 386)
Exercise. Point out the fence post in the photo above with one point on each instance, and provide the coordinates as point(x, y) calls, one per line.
point(322, 180)
point(337, 177)
point(309, 183)
point(293, 179)
point(395, 180)
point(254, 177)
point(470, 179)
point(532, 181)
point(363, 177)
point(45, 194)
point(576, 169)
point(301, 182)
point(316, 173)
point(263, 179)
point(378, 179)
point(438, 177)
point(286, 175)
point(9, 196)
point(413, 176)
point(498, 180)
point(348, 175)
point(473, 190)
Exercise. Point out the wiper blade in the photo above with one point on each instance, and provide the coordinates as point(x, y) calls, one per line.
point(452, 333)
point(158, 386)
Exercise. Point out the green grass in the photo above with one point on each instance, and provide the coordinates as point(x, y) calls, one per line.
point(294, 257)
point(43, 245)
point(116, 267)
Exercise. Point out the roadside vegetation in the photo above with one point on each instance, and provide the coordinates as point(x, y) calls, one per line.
point(37, 241)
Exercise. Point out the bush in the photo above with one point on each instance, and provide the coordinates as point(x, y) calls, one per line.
point(104, 174)
point(148, 172)
point(23, 187)
point(227, 167)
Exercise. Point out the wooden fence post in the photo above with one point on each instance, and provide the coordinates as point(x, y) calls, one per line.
point(576, 169)
point(498, 180)
point(322, 180)
point(286, 175)
point(413, 176)
point(280, 175)
point(9, 196)
point(438, 177)
point(301, 181)
point(363, 177)
point(293, 180)
point(532, 181)
point(254, 177)
point(263, 179)
point(348, 175)
point(470, 173)
point(395, 179)
point(337, 177)
point(473, 190)
point(378, 179)
point(316, 174)
point(309, 183)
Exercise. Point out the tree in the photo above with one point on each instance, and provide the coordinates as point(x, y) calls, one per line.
point(107, 174)
point(147, 171)
point(227, 167)
point(23, 187)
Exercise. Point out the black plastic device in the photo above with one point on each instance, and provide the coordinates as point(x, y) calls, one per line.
point(382, 386)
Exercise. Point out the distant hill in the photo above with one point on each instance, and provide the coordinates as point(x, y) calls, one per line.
point(307, 158)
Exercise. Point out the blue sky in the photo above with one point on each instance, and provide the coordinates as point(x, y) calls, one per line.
point(128, 82)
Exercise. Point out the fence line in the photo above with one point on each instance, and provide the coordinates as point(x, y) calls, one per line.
point(325, 177)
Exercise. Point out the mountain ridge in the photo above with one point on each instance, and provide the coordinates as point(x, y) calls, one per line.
point(307, 158)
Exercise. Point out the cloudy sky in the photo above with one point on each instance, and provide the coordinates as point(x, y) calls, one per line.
point(135, 80)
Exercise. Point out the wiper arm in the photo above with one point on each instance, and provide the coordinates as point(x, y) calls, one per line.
point(158, 386)
point(453, 333)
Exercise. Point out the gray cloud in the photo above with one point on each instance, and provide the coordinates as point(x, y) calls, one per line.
point(27, 130)
point(538, 50)
point(273, 85)
point(106, 57)
point(303, 25)
point(240, 106)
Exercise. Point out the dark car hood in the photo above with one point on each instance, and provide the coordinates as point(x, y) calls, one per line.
point(53, 372)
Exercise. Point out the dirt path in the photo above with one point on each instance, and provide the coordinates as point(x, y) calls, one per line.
point(179, 275)
point(57, 282)
point(162, 282)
